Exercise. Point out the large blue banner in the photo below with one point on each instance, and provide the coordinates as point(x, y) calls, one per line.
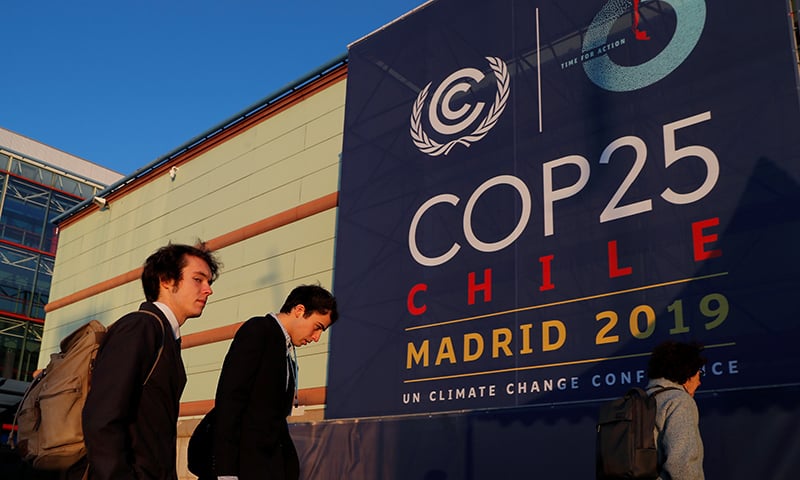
point(536, 193)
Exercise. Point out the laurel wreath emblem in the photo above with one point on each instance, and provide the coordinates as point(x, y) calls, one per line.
point(434, 148)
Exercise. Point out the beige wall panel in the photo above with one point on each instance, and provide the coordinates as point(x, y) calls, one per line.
point(252, 210)
point(298, 236)
point(74, 256)
point(203, 364)
point(209, 183)
point(313, 369)
point(289, 120)
point(73, 236)
point(200, 386)
point(325, 127)
point(69, 318)
point(326, 100)
point(204, 359)
point(255, 278)
point(93, 265)
point(313, 360)
point(305, 162)
point(317, 119)
point(315, 259)
point(221, 310)
point(106, 308)
point(74, 315)
point(106, 261)
point(193, 217)
point(286, 172)
point(320, 156)
point(261, 302)
point(267, 198)
point(272, 198)
point(252, 284)
point(265, 298)
point(252, 253)
point(112, 304)
point(102, 261)
point(259, 183)
point(121, 218)
point(272, 148)
point(283, 123)
point(70, 244)
point(265, 246)
point(67, 267)
point(318, 183)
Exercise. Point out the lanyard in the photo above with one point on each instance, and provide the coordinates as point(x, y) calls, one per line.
point(294, 372)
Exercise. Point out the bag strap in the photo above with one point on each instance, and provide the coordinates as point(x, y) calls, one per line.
point(160, 349)
point(660, 389)
point(38, 378)
point(653, 395)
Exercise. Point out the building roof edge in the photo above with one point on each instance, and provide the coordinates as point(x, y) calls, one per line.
point(213, 132)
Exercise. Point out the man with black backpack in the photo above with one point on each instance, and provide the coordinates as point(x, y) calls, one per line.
point(675, 367)
point(131, 411)
point(653, 434)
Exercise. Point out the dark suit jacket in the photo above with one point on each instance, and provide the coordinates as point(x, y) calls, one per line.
point(130, 429)
point(251, 436)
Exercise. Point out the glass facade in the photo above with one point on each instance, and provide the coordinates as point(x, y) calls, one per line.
point(31, 195)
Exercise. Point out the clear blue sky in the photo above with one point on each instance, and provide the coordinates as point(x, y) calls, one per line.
point(122, 83)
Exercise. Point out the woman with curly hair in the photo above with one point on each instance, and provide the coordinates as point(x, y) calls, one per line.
point(677, 367)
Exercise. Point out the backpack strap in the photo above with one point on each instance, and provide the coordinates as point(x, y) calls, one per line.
point(160, 349)
point(38, 378)
point(652, 395)
point(659, 390)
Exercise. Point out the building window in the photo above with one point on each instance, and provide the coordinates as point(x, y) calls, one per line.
point(74, 187)
point(20, 342)
point(24, 213)
point(41, 291)
point(59, 204)
point(18, 271)
point(31, 172)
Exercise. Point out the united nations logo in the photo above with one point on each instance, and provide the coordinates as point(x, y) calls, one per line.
point(459, 120)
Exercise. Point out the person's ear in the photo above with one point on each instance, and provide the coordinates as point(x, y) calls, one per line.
point(167, 284)
point(299, 310)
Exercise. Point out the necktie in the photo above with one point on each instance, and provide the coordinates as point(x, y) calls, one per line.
point(293, 371)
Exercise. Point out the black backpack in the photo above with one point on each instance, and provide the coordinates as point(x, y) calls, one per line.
point(626, 447)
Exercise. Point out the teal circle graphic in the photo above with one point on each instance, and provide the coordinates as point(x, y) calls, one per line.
point(691, 18)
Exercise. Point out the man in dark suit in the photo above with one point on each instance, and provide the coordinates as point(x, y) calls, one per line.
point(257, 385)
point(131, 413)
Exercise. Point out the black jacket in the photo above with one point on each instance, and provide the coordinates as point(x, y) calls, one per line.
point(251, 435)
point(130, 429)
